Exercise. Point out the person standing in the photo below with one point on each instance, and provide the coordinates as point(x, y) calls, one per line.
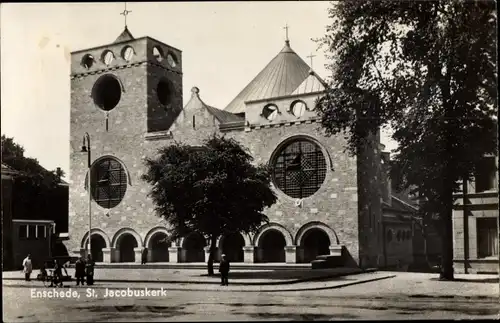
point(224, 270)
point(90, 270)
point(57, 276)
point(80, 271)
point(144, 256)
point(27, 267)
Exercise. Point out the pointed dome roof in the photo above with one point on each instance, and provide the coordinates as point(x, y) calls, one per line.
point(312, 84)
point(124, 36)
point(280, 77)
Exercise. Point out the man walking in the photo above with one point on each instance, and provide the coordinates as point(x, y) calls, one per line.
point(27, 267)
point(224, 270)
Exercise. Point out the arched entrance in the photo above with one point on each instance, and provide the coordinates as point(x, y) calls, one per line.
point(158, 247)
point(96, 245)
point(315, 242)
point(126, 244)
point(232, 246)
point(194, 245)
point(272, 246)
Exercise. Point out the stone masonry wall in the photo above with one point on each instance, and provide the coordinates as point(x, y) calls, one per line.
point(125, 140)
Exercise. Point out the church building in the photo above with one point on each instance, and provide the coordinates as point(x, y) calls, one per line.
point(126, 97)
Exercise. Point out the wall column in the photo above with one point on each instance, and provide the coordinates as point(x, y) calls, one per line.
point(291, 254)
point(107, 255)
point(249, 254)
point(174, 253)
point(138, 254)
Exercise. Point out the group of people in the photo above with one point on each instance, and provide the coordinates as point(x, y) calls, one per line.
point(84, 270)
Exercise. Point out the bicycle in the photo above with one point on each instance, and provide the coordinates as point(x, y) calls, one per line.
point(49, 280)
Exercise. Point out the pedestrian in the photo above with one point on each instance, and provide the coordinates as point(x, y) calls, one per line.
point(89, 270)
point(80, 271)
point(27, 267)
point(144, 256)
point(224, 270)
point(57, 277)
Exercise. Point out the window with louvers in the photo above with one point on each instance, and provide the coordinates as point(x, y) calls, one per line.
point(109, 182)
point(299, 169)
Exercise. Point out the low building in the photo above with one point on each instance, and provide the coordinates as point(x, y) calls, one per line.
point(32, 237)
point(476, 243)
point(8, 175)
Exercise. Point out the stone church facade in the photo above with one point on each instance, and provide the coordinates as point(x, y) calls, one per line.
point(128, 97)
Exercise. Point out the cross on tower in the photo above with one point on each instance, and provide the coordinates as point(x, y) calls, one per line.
point(311, 57)
point(286, 31)
point(125, 13)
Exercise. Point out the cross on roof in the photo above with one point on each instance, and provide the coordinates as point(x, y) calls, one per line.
point(125, 13)
point(311, 57)
point(286, 31)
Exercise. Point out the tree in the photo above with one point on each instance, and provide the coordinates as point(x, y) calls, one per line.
point(34, 187)
point(211, 189)
point(427, 69)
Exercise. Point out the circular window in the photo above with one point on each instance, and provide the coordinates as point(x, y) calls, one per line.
point(158, 53)
point(389, 236)
point(108, 182)
point(164, 92)
point(171, 60)
point(127, 53)
point(107, 92)
point(270, 112)
point(87, 61)
point(299, 168)
point(298, 109)
point(108, 57)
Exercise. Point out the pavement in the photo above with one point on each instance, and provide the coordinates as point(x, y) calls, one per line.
point(374, 295)
point(243, 277)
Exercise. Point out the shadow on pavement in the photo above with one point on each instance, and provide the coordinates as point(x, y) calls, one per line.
point(468, 280)
point(277, 275)
point(298, 317)
point(165, 311)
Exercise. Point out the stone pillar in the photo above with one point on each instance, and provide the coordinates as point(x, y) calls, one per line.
point(291, 254)
point(149, 257)
point(107, 255)
point(138, 254)
point(174, 253)
point(249, 254)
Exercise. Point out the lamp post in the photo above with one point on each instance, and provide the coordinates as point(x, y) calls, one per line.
point(86, 149)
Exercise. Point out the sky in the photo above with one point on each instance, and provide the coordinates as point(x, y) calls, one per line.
point(224, 46)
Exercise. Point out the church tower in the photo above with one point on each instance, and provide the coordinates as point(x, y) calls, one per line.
point(122, 94)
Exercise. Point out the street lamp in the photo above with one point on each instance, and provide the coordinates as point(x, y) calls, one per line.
point(86, 149)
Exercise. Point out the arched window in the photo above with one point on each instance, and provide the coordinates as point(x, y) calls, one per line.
point(299, 168)
point(109, 182)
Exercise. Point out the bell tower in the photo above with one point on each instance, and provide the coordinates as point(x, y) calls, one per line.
point(121, 94)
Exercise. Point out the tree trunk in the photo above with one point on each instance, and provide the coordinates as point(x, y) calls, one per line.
point(211, 256)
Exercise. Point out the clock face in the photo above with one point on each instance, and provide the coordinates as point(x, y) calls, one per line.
point(128, 53)
point(298, 109)
point(108, 58)
point(171, 60)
